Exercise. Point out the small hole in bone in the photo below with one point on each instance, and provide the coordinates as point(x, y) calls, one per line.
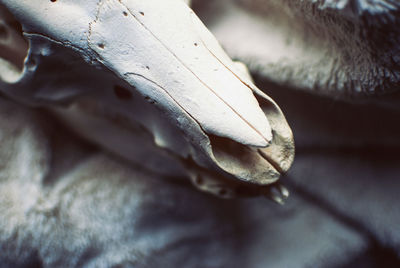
point(147, 67)
point(101, 45)
point(141, 13)
point(150, 100)
point(195, 44)
point(199, 180)
point(122, 93)
point(222, 192)
point(53, 1)
point(125, 13)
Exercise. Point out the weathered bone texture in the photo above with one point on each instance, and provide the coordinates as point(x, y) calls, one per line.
point(347, 48)
point(148, 73)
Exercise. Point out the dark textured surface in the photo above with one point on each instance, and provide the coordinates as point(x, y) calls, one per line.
point(347, 164)
point(94, 211)
point(342, 49)
point(83, 208)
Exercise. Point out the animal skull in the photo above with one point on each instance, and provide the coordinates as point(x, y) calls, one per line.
point(147, 80)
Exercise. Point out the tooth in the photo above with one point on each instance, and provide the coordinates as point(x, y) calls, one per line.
point(284, 191)
point(277, 193)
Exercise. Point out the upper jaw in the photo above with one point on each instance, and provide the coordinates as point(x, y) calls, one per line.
point(161, 53)
point(176, 64)
point(160, 50)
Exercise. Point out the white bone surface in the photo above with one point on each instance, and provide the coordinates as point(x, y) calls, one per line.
point(181, 75)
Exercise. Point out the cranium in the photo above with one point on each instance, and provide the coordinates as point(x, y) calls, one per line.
point(146, 80)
